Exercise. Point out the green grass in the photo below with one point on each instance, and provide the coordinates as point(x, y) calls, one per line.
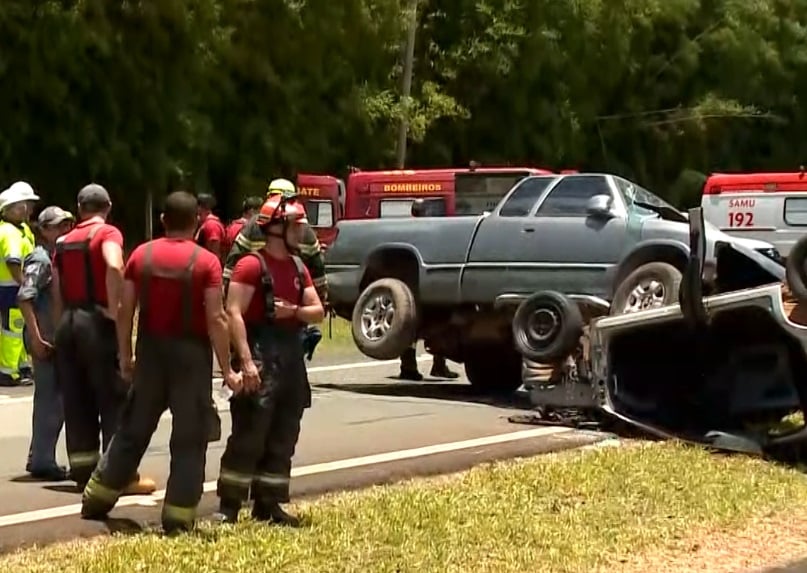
point(569, 512)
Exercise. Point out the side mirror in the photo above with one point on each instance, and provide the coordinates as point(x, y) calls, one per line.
point(599, 206)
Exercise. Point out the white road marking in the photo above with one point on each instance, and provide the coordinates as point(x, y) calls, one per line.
point(151, 500)
point(6, 399)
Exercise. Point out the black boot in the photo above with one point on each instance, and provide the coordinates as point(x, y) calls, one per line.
point(227, 513)
point(440, 369)
point(273, 513)
point(409, 366)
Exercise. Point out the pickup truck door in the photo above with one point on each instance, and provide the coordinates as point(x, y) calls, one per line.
point(500, 245)
point(556, 245)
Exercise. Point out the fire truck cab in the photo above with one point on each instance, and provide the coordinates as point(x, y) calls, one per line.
point(451, 191)
point(323, 197)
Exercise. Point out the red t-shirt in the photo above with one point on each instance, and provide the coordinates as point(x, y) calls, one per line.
point(285, 284)
point(73, 274)
point(164, 314)
point(231, 233)
point(210, 231)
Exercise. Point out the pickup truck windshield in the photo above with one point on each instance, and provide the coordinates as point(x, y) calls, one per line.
point(633, 194)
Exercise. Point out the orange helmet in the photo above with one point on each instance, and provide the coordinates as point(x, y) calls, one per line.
point(269, 211)
point(295, 213)
point(276, 209)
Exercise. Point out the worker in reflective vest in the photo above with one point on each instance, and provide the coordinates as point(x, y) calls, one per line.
point(89, 277)
point(270, 299)
point(177, 285)
point(16, 242)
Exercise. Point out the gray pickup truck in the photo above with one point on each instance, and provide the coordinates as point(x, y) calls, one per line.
point(455, 282)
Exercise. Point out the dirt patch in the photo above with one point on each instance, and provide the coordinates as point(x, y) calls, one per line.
point(762, 543)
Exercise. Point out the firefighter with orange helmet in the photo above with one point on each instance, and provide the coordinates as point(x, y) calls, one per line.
point(270, 300)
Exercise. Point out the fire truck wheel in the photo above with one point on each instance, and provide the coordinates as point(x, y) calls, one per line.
point(547, 327)
point(797, 270)
point(385, 319)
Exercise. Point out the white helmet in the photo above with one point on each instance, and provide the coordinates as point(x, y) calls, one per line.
point(17, 193)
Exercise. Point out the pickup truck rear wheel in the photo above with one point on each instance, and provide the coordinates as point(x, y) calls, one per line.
point(494, 371)
point(650, 286)
point(547, 327)
point(384, 322)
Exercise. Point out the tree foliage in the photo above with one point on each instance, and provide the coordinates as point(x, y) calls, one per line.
point(219, 95)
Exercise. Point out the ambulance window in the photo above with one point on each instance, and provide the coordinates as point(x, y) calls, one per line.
point(395, 208)
point(796, 211)
point(523, 199)
point(320, 213)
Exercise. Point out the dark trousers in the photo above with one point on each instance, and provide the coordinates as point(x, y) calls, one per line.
point(266, 425)
point(86, 361)
point(174, 374)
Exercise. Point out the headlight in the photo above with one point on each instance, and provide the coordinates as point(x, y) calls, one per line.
point(772, 253)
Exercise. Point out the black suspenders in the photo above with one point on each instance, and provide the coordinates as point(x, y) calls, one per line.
point(266, 282)
point(89, 278)
point(184, 275)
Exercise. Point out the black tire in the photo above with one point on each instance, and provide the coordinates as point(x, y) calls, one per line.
point(796, 271)
point(665, 273)
point(547, 327)
point(491, 372)
point(401, 332)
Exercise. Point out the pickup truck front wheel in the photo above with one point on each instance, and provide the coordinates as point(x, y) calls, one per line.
point(384, 320)
point(650, 286)
point(494, 371)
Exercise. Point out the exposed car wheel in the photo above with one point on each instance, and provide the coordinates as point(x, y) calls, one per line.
point(547, 327)
point(650, 286)
point(492, 372)
point(796, 269)
point(384, 322)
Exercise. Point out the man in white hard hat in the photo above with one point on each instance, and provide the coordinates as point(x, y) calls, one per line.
point(16, 242)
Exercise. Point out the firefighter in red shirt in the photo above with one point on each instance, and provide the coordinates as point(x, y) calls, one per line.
point(88, 265)
point(177, 285)
point(271, 297)
point(211, 233)
point(249, 209)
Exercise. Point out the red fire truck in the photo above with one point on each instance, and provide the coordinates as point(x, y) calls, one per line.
point(381, 194)
point(323, 196)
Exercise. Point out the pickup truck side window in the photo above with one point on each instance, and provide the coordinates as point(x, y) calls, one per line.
point(523, 199)
point(570, 197)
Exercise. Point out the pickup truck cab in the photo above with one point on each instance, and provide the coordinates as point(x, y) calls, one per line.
point(455, 281)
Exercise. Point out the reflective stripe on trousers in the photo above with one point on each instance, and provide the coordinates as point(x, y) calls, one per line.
point(83, 459)
point(12, 350)
point(266, 425)
point(180, 515)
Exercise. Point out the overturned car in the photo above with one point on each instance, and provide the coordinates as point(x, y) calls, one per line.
point(725, 367)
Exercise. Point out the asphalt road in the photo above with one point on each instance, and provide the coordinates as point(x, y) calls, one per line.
point(364, 427)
